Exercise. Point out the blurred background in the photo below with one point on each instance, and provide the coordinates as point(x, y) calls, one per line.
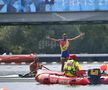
point(26, 39)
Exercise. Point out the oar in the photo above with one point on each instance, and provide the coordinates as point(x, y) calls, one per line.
point(45, 67)
point(27, 74)
point(30, 73)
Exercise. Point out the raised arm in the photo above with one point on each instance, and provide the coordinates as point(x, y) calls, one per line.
point(53, 39)
point(82, 34)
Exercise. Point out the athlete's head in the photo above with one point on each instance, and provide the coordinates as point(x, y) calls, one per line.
point(64, 36)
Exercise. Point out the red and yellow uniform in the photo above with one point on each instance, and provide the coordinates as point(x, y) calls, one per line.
point(35, 66)
point(64, 48)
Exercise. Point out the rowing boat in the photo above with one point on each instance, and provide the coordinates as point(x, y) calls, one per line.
point(16, 58)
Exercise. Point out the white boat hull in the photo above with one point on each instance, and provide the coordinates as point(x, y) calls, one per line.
point(15, 78)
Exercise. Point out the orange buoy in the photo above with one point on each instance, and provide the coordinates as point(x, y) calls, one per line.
point(4, 88)
point(103, 67)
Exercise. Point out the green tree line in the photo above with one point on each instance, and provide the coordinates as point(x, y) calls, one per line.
point(25, 39)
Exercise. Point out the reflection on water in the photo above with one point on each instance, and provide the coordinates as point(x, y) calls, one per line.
point(16, 69)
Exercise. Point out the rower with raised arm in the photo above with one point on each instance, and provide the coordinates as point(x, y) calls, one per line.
point(64, 45)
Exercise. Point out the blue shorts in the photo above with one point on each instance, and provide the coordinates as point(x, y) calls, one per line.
point(64, 54)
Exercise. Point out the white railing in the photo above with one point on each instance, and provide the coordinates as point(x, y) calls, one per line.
point(78, 55)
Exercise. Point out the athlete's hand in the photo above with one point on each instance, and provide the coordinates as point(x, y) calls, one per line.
point(39, 66)
point(82, 34)
point(48, 37)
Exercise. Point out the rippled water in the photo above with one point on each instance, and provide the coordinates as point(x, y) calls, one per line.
point(16, 69)
point(35, 86)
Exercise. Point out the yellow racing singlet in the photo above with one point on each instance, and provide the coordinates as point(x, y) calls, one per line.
point(64, 45)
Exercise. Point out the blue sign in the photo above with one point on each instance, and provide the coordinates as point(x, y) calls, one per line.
point(33, 6)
